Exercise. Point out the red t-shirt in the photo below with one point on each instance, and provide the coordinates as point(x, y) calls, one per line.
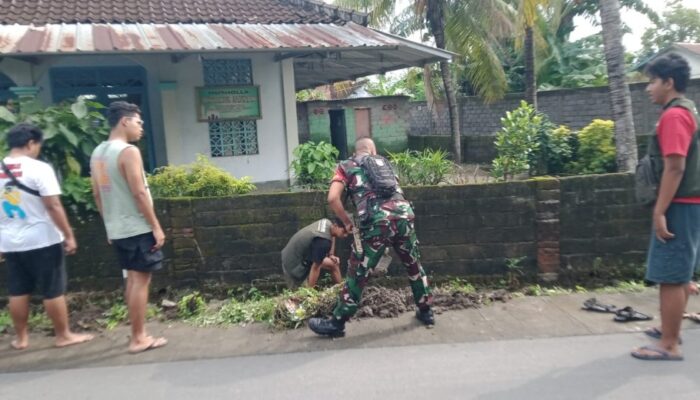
point(675, 131)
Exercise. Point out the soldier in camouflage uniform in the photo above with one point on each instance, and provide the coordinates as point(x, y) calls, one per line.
point(383, 222)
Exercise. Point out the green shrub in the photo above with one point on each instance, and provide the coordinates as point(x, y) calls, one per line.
point(199, 179)
point(428, 167)
point(560, 149)
point(314, 164)
point(596, 149)
point(191, 305)
point(530, 142)
point(517, 142)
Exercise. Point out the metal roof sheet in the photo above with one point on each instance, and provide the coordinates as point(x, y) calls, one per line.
point(322, 53)
point(127, 38)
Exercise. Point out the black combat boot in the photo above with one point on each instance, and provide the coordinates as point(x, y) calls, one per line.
point(426, 316)
point(332, 327)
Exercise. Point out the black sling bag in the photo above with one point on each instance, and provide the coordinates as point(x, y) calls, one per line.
point(17, 183)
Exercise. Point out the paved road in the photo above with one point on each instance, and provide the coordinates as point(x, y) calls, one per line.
point(580, 367)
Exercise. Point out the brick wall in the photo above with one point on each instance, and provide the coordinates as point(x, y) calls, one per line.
point(463, 230)
point(575, 108)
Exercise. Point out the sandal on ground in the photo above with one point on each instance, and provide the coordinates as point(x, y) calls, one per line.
point(656, 334)
point(629, 314)
point(695, 317)
point(593, 305)
point(658, 354)
point(155, 343)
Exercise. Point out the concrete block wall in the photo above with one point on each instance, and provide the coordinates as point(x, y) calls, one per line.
point(469, 230)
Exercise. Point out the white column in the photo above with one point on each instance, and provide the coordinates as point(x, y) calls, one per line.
point(171, 127)
point(290, 110)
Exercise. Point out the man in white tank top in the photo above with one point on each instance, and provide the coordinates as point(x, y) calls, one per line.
point(122, 196)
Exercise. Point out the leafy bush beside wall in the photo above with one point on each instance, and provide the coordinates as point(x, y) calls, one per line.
point(198, 179)
point(428, 167)
point(314, 164)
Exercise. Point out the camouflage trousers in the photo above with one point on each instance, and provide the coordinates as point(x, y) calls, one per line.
point(399, 234)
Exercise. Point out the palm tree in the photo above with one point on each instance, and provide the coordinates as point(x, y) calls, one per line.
point(625, 139)
point(528, 15)
point(467, 27)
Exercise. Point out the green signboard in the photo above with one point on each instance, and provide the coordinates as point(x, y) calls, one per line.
point(225, 103)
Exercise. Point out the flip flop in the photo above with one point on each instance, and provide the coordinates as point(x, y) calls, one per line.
point(659, 354)
point(656, 334)
point(593, 305)
point(695, 317)
point(155, 344)
point(628, 314)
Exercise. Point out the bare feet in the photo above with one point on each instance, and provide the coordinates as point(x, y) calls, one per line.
point(73, 338)
point(20, 344)
point(148, 343)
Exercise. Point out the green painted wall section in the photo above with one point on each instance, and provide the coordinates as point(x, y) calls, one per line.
point(387, 117)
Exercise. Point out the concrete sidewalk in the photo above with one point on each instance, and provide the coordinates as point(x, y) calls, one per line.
point(520, 318)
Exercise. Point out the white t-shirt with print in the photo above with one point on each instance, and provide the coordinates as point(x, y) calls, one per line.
point(24, 222)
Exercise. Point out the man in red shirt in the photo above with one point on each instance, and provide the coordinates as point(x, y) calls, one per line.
point(674, 251)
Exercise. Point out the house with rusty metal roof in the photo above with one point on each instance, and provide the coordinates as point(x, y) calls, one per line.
point(216, 77)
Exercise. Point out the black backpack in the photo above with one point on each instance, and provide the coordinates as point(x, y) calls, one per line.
point(380, 174)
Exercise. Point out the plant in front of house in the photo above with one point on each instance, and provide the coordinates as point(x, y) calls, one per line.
point(314, 164)
point(71, 133)
point(428, 167)
point(198, 179)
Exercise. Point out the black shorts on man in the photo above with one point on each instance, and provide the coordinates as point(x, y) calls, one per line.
point(135, 253)
point(43, 268)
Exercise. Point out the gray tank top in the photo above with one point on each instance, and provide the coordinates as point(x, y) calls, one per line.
point(119, 211)
point(298, 248)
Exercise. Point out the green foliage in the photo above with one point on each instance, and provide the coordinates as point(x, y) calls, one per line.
point(71, 133)
point(517, 141)
point(314, 164)
point(678, 25)
point(5, 321)
point(309, 95)
point(574, 65)
point(458, 285)
point(514, 271)
point(77, 191)
point(117, 314)
point(428, 167)
point(191, 305)
point(198, 179)
point(556, 150)
point(596, 149)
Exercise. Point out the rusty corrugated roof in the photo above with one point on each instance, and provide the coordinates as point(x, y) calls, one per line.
point(141, 38)
point(42, 12)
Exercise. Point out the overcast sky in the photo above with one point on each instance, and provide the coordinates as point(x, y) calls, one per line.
point(637, 22)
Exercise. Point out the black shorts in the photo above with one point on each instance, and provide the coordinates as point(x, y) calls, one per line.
point(44, 267)
point(134, 253)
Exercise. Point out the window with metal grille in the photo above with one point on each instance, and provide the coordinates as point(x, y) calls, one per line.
point(231, 138)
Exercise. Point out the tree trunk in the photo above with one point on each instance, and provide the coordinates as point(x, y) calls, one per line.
point(436, 21)
point(625, 139)
point(430, 96)
point(530, 75)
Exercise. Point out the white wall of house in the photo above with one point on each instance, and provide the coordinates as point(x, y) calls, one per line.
point(186, 136)
point(178, 136)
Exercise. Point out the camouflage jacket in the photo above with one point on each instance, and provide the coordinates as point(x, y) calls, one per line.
point(371, 209)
